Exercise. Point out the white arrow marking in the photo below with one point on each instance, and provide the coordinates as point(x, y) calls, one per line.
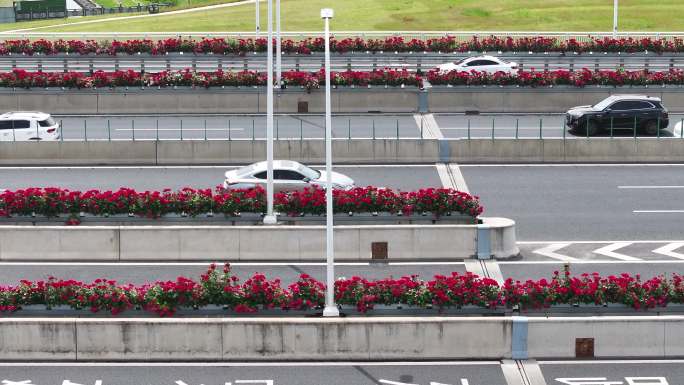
point(669, 250)
point(388, 382)
point(550, 251)
point(463, 382)
point(609, 251)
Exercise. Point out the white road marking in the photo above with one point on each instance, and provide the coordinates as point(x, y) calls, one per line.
point(599, 242)
point(451, 177)
point(669, 250)
point(658, 211)
point(430, 127)
point(650, 187)
point(609, 251)
point(550, 251)
point(243, 364)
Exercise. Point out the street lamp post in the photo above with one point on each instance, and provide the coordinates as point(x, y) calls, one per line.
point(278, 54)
point(258, 19)
point(330, 307)
point(615, 18)
point(270, 218)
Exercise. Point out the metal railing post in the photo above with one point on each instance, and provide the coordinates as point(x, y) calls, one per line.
point(468, 129)
point(85, 129)
point(37, 134)
point(61, 131)
point(276, 136)
point(421, 126)
point(563, 129)
point(252, 129)
point(611, 127)
point(635, 127)
point(517, 127)
point(205, 130)
point(586, 127)
point(373, 128)
point(109, 131)
point(229, 139)
point(397, 129)
point(181, 129)
point(156, 131)
point(349, 128)
point(541, 135)
point(681, 132)
point(492, 128)
point(133, 128)
point(301, 130)
point(658, 129)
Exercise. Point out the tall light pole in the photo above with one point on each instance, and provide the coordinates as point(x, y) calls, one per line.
point(279, 62)
point(615, 18)
point(270, 218)
point(258, 19)
point(330, 307)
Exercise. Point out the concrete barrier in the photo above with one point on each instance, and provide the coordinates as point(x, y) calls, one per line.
point(208, 243)
point(354, 151)
point(350, 338)
point(344, 99)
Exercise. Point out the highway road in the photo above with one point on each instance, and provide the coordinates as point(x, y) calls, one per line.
point(550, 203)
point(594, 372)
point(293, 126)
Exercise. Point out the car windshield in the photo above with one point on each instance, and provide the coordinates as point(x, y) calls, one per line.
point(461, 61)
point(308, 172)
point(600, 106)
point(245, 171)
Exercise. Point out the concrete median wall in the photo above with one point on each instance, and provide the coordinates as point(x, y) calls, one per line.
point(354, 151)
point(235, 243)
point(344, 100)
point(351, 338)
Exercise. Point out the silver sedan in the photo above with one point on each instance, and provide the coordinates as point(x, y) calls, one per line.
point(287, 176)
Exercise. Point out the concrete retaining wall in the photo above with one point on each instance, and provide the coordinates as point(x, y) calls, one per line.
point(363, 338)
point(344, 100)
point(354, 151)
point(208, 243)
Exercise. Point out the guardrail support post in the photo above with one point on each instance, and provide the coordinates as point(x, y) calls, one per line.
point(492, 128)
point(181, 129)
point(133, 128)
point(109, 131)
point(349, 128)
point(611, 127)
point(205, 130)
point(229, 130)
point(681, 132)
point(468, 129)
point(397, 129)
point(301, 130)
point(157, 130)
point(61, 131)
point(373, 128)
point(658, 129)
point(85, 129)
point(541, 135)
point(252, 129)
point(483, 242)
point(635, 128)
point(519, 338)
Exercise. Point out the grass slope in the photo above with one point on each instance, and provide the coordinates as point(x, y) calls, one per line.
point(395, 15)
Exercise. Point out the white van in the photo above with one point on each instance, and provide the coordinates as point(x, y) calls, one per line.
point(28, 125)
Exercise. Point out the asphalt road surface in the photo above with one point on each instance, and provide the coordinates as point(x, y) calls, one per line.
point(363, 126)
point(322, 373)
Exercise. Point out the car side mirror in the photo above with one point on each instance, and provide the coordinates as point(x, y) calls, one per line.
point(306, 180)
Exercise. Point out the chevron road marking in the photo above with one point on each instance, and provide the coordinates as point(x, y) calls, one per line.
point(609, 251)
point(550, 251)
point(669, 250)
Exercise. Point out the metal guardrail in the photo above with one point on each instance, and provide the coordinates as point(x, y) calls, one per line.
point(418, 61)
point(459, 36)
point(248, 128)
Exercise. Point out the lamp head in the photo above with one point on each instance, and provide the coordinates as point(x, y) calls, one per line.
point(327, 13)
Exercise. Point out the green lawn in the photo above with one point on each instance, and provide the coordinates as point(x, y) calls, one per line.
point(404, 15)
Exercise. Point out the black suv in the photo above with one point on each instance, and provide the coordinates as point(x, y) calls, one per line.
point(622, 111)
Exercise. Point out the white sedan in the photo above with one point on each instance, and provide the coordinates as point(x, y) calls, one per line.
point(287, 176)
point(488, 64)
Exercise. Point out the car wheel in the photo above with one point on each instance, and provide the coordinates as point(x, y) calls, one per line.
point(651, 127)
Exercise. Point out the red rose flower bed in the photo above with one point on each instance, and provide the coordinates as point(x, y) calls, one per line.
point(581, 78)
point(52, 202)
point(313, 80)
point(219, 287)
point(223, 46)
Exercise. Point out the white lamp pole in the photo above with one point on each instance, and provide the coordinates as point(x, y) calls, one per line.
point(278, 55)
point(258, 19)
point(270, 218)
point(615, 18)
point(330, 307)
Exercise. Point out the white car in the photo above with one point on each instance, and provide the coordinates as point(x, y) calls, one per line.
point(488, 64)
point(28, 125)
point(287, 176)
